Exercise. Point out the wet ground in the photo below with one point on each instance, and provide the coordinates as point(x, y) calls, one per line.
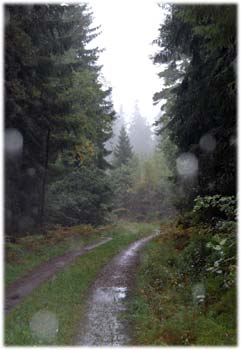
point(103, 323)
point(24, 286)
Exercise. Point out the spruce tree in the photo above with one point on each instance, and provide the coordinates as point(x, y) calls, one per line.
point(123, 150)
point(141, 135)
point(201, 99)
point(55, 107)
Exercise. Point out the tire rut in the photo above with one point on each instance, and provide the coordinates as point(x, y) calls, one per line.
point(25, 285)
point(103, 323)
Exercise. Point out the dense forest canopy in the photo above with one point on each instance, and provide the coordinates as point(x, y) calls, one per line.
point(158, 212)
point(198, 45)
point(57, 115)
point(70, 159)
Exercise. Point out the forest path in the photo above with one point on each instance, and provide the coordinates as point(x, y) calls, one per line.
point(24, 285)
point(102, 323)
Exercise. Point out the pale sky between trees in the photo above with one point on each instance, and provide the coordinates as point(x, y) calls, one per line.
point(127, 31)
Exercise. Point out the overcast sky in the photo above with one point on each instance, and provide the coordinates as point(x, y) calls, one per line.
point(128, 29)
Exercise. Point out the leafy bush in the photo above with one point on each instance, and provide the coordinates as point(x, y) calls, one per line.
point(187, 220)
point(194, 257)
point(189, 283)
point(222, 259)
point(211, 207)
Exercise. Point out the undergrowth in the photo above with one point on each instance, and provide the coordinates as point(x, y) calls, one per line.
point(186, 286)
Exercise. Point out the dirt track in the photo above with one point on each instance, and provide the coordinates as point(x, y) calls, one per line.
point(24, 286)
point(102, 323)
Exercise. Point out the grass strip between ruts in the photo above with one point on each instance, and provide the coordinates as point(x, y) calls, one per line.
point(65, 294)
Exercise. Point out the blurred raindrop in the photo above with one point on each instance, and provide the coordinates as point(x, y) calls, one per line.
point(13, 141)
point(211, 186)
point(187, 164)
point(6, 17)
point(232, 141)
point(44, 326)
point(31, 171)
point(207, 143)
point(35, 210)
point(198, 292)
point(29, 8)
point(9, 214)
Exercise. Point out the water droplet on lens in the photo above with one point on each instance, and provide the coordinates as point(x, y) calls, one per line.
point(6, 17)
point(29, 8)
point(207, 143)
point(198, 292)
point(187, 164)
point(13, 141)
point(31, 171)
point(211, 186)
point(35, 210)
point(9, 214)
point(232, 141)
point(44, 326)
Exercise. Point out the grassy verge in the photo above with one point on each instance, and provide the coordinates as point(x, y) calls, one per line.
point(64, 295)
point(185, 294)
point(30, 251)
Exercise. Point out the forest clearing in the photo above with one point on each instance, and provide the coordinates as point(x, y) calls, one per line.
point(120, 191)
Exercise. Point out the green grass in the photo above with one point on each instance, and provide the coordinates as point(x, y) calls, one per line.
point(27, 259)
point(65, 294)
point(144, 320)
point(163, 308)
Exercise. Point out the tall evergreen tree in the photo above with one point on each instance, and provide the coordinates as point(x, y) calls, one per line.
point(123, 151)
point(141, 135)
point(116, 127)
point(200, 112)
point(54, 103)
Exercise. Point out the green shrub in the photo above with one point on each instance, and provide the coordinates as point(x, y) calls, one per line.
point(187, 220)
point(190, 287)
point(195, 255)
point(211, 207)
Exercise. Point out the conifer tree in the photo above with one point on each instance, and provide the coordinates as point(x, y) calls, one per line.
point(56, 108)
point(123, 151)
point(139, 131)
point(200, 93)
